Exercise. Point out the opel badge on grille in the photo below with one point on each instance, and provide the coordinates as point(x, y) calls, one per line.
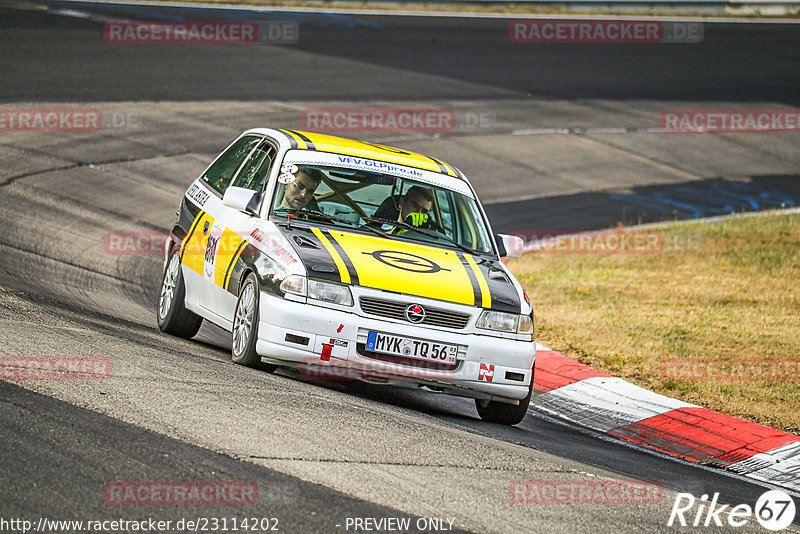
point(415, 313)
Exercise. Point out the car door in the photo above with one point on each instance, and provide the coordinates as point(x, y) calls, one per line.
point(200, 247)
point(226, 240)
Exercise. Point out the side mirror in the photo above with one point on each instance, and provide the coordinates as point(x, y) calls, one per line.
point(245, 200)
point(509, 246)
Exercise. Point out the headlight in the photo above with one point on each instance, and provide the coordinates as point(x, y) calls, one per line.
point(294, 284)
point(505, 322)
point(500, 321)
point(330, 293)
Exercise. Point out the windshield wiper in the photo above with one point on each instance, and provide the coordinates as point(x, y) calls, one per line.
point(313, 213)
point(327, 217)
point(436, 235)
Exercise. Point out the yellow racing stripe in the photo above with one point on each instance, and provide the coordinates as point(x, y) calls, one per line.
point(195, 246)
point(191, 230)
point(227, 252)
point(486, 297)
point(337, 259)
point(229, 275)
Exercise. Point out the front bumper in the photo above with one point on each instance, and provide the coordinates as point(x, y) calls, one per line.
point(324, 343)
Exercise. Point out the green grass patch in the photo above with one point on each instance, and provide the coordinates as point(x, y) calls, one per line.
point(713, 318)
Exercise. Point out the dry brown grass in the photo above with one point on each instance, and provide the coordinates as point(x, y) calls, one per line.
point(480, 7)
point(726, 294)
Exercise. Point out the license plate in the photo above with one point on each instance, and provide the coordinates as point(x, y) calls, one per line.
point(406, 347)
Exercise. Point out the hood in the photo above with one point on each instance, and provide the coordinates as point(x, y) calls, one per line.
point(403, 267)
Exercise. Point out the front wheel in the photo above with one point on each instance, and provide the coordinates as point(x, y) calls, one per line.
point(173, 317)
point(502, 413)
point(244, 334)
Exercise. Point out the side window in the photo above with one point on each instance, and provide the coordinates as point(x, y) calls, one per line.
point(471, 234)
point(221, 172)
point(444, 203)
point(256, 169)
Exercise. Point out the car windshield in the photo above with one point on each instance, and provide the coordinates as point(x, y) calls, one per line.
point(400, 208)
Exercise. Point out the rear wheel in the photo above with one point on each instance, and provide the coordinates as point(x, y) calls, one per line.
point(502, 413)
point(173, 317)
point(244, 334)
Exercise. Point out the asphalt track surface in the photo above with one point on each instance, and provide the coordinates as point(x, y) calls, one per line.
point(177, 410)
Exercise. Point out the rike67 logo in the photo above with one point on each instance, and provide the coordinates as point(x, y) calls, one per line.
point(774, 510)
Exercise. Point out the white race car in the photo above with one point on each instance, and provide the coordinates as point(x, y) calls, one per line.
point(351, 260)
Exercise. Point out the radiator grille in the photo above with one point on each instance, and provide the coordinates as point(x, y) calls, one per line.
point(397, 310)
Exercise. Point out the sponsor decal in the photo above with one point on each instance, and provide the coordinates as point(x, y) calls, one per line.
point(54, 368)
point(181, 493)
point(339, 343)
point(212, 243)
point(422, 175)
point(198, 194)
point(193, 246)
point(224, 247)
point(584, 492)
point(730, 120)
point(486, 372)
point(274, 248)
point(380, 166)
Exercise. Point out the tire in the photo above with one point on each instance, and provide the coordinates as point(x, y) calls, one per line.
point(173, 317)
point(244, 333)
point(502, 413)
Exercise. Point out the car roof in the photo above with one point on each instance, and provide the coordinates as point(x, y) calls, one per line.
point(360, 149)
